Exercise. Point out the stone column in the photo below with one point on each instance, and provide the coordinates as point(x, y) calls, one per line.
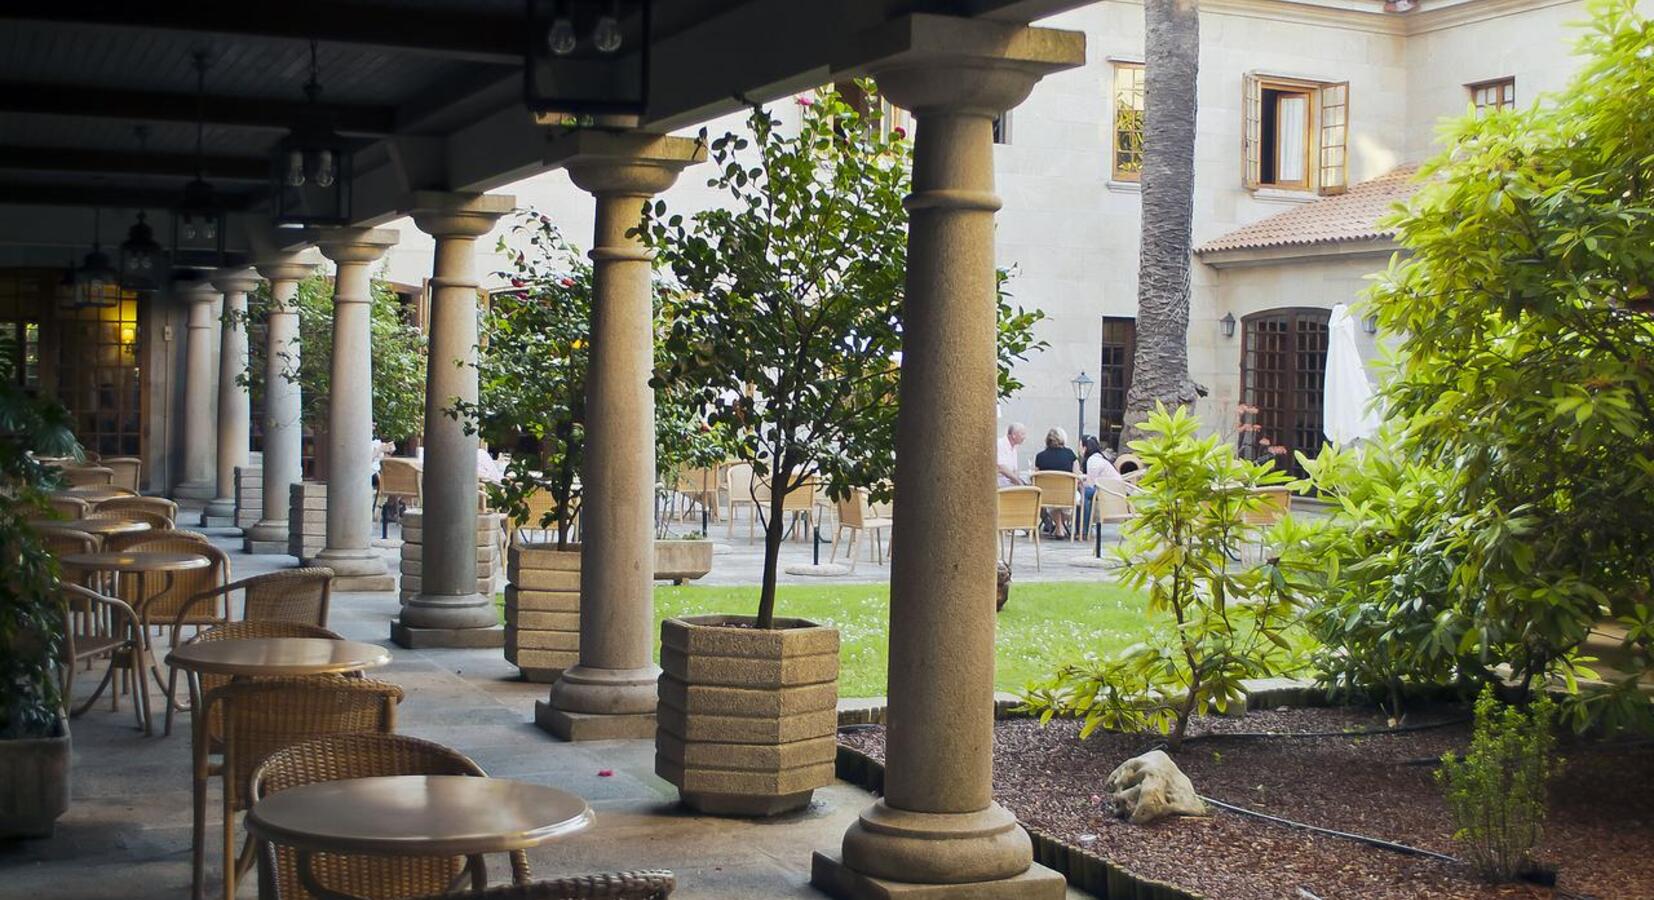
point(200, 437)
point(611, 692)
point(448, 611)
point(283, 411)
point(937, 831)
point(349, 551)
point(234, 409)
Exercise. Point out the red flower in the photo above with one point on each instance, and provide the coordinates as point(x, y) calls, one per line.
point(516, 282)
point(567, 282)
point(899, 132)
point(605, 773)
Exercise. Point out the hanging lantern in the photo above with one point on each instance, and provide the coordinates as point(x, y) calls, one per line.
point(142, 259)
point(312, 168)
point(587, 59)
point(96, 281)
point(198, 221)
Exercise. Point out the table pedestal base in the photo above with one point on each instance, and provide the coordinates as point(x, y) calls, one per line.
point(415, 638)
point(573, 726)
point(831, 876)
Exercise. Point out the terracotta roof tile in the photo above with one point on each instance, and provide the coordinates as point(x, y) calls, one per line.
point(1350, 216)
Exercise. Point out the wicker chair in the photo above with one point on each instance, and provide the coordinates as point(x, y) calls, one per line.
point(801, 501)
point(126, 469)
point(1057, 492)
point(541, 504)
point(649, 884)
point(399, 479)
point(263, 716)
point(699, 487)
point(119, 543)
point(157, 521)
point(98, 627)
point(82, 476)
point(159, 505)
point(68, 507)
point(286, 595)
point(1110, 504)
point(203, 683)
point(855, 514)
point(362, 756)
point(162, 609)
point(1019, 511)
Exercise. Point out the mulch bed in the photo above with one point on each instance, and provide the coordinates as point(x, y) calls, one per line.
point(1600, 832)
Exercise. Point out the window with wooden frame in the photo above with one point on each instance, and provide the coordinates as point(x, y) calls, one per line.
point(1114, 377)
point(1296, 134)
point(1492, 96)
point(1283, 371)
point(1127, 163)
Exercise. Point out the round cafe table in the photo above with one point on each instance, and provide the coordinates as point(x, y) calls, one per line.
point(93, 493)
point(254, 657)
point(416, 815)
point(102, 528)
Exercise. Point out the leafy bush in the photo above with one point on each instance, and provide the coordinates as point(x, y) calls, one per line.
point(1496, 793)
point(1191, 524)
point(1514, 508)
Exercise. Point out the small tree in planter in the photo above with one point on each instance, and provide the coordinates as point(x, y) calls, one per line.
point(788, 331)
point(34, 739)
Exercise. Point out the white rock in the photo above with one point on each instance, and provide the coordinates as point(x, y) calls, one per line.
point(1151, 787)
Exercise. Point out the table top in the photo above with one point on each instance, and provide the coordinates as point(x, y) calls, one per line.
point(103, 527)
point(278, 656)
point(137, 561)
point(93, 492)
point(423, 815)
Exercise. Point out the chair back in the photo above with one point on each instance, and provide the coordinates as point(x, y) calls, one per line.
point(799, 499)
point(698, 481)
point(399, 477)
point(126, 471)
point(90, 456)
point(738, 479)
point(852, 510)
point(236, 631)
point(61, 542)
point(1112, 501)
point(82, 476)
point(343, 756)
point(541, 504)
point(163, 608)
point(1019, 507)
point(119, 543)
point(288, 595)
point(68, 507)
point(157, 521)
point(1057, 489)
point(1126, 463)
point(1277, 502)
point(267, 714)
point(159, 505)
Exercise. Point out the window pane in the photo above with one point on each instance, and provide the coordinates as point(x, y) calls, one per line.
point(1128, 121)
point(1293, 117)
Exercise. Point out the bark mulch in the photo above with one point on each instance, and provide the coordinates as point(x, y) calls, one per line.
point(1600, 833)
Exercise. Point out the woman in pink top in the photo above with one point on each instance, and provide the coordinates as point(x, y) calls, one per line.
point(1097, 470)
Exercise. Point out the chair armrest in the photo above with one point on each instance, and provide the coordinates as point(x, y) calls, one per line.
point(191, 603)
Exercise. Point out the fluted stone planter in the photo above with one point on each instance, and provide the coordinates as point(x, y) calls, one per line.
point(34, 784)
point(542, 609)
point(747, 716)
point(680, 561)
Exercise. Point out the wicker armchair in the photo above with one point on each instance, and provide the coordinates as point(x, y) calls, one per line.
point(204, 683)
point(162, 609)
point(856, 516)
point(1019, 511)
point(68, 507)
point(261, 717)
point(156, 521)
point(119, 543)
point(285, 595)
point(98, 627)
point(363, 756)
point(648, 884)
point(161, 505)
point(126, 469)
point(83, 476)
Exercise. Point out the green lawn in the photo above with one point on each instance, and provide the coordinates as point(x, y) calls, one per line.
point(1044, 625)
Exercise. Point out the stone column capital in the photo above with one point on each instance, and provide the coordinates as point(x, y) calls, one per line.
point(353, 245)
point(236, 280)
point(198, 292)
point(625, 164)
point(943, 64)
point(458, 215)
point(288, 266)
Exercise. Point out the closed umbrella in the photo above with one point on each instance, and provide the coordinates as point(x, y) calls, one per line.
point(1348, 412)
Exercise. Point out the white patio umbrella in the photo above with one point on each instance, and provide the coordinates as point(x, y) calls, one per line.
point(1348, 412)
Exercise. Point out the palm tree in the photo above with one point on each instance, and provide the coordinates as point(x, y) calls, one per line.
point(1172, 64)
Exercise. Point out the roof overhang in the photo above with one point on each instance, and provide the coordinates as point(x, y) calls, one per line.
point(1293, 254)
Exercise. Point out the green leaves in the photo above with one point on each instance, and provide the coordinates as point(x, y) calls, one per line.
point(1496, 792)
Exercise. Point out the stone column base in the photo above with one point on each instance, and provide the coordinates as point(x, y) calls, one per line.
point(271, 548)
point(831, 876)
point(358, 584)
point(195, 490)
point(423, 638)
point(573, 726)
point(265, 537)
point(220, 508)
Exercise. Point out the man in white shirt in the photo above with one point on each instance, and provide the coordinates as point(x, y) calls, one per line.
point(1007, 457)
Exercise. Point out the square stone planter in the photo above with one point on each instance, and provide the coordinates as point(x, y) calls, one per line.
point(680, 561)
point(542, 609)
point(34, 784)
point(747, 716)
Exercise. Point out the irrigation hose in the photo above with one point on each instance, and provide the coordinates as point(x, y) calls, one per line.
point(1359, 732)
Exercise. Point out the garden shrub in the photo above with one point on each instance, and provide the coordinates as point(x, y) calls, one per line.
point(1496, 792)
point(1181, 547)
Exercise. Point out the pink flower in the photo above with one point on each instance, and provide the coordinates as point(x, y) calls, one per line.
point(605, 773)
point(806, 101)
point(516, 282)
point(567, 282)
point(899, 132)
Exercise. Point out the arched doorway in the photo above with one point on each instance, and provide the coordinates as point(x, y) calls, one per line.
point(1283, 373)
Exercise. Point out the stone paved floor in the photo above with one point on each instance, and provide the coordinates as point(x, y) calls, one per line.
point(127, 833)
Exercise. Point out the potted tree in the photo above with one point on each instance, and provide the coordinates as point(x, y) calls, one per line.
point(34, 733)
point(788, 331)
point(684, 442)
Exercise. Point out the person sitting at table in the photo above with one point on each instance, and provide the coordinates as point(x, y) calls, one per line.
point(1056, 457)
point(1097, 470)
point(1006, 462)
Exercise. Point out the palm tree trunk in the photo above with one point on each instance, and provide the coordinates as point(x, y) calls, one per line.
point(1172, 65)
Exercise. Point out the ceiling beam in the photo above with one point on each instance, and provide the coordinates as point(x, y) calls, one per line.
point(183, 165)
point(467, 34)
point(107, 197)
point(160, 106)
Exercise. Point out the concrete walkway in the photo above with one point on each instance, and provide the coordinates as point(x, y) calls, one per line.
point(127, 833)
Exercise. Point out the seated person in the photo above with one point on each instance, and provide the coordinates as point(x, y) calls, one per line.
point(1056, 457)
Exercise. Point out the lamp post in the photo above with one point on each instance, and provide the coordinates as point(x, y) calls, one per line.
point(1082, 392)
